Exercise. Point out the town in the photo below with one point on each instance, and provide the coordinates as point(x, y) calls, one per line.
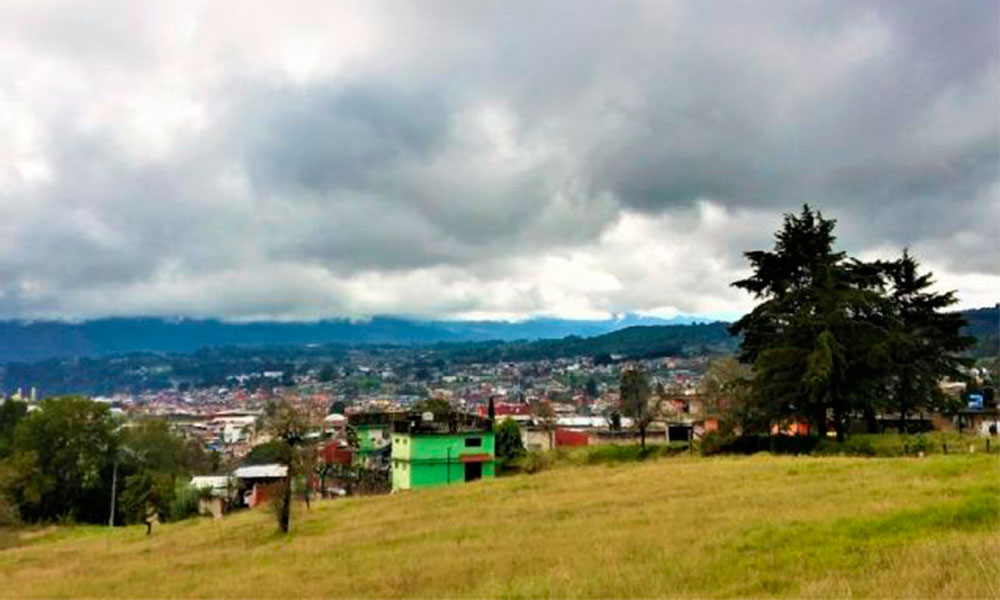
point(450, 299)
point(386, 420)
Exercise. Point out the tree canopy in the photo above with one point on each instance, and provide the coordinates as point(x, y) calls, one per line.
point(634, 391)
point(833, 336)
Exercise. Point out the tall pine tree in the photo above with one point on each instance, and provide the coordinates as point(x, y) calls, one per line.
point(926, 341)
point(819, 337)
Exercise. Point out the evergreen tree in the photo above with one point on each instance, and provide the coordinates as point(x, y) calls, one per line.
point(509, 446)
point(926, 341)
point(834, 336)
point(820, 329)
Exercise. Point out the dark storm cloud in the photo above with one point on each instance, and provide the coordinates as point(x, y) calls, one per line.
point(467, 159)
point(328, 139)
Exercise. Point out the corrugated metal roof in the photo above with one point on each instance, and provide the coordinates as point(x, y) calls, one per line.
point(261, 471)
point(209, 481)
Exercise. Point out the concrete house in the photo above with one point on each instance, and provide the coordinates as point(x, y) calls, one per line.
point(374, 432)
point(443, 450)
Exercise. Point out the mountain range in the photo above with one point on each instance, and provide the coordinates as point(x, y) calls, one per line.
point(25, 341)
point(38, 340)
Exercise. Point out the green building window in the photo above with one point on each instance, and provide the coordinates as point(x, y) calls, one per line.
point(473, 442)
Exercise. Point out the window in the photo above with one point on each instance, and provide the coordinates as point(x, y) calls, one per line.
point(473, 442)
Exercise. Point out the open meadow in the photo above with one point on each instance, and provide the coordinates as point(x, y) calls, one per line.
point(672, 527)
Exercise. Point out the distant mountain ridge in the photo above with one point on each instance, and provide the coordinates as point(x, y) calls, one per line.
point(984, 325)
point(39, 340)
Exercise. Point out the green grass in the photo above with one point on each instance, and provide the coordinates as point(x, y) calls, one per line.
point(894, 444)
point(661, 527)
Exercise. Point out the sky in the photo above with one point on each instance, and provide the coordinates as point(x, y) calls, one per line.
point(481, 160)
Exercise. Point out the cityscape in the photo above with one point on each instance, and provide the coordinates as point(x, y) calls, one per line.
point(448, 299)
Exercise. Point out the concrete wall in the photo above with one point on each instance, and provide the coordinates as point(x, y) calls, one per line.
point(536, 439)
point(210, 506)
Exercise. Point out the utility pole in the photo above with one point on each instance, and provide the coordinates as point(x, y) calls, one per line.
point(114, 487)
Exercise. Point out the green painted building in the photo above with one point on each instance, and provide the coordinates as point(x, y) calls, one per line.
point(373, 433)
point(452, 449)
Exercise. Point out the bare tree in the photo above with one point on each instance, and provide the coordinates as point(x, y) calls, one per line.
point(288, 426)
point(541, 409)
point(635, 400)
point(725, 393)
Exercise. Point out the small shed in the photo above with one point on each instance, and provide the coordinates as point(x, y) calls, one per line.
point(255, 480)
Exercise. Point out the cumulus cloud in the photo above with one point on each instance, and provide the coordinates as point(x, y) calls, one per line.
point(463, 160)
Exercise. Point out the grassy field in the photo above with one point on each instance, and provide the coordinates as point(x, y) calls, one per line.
point(672, 527)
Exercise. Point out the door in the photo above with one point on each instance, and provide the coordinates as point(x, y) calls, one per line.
point(473, 471)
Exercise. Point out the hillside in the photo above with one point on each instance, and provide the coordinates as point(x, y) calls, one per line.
point(984, 325)
point(32, 341)
point(682, 527)
point(640, 341)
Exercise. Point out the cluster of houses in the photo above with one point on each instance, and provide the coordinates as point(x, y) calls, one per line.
point(408, 451)
point(411, 450)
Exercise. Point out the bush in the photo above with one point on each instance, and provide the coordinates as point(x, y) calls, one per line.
point(185, 504)
point(534, 462)
point(509, 447)
point(627, 453)
point(715, 443)
point(8, 512)
point(8, 509)
point(146, 493)
point(859, 446)
point(280, 504)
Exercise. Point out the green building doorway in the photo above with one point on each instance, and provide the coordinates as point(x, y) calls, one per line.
point(473, 471)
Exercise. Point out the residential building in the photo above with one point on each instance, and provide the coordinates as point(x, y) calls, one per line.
point(444, 450)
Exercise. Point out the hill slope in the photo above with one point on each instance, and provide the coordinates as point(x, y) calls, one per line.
point(984, 325)
point(31, 341)
point(34, 341)
point(759, 526)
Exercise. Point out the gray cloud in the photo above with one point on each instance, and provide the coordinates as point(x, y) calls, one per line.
point(481, 160)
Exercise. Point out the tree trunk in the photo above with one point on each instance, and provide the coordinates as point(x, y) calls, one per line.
point(820, 418)
point(286, 504)
point(642, 437)
point(839, 417)
point(904, 400)
point(871, 423)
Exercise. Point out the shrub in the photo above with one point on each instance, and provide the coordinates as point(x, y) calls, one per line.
point(146, 493)
point(8, 512)
point(8, 509)
point(859, 446)
point(509, 447)
point(280, 503)
point(715, 443)
point(185, 504)
point(534, 462)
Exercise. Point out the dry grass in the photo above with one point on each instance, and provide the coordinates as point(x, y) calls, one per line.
point(681, 527)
